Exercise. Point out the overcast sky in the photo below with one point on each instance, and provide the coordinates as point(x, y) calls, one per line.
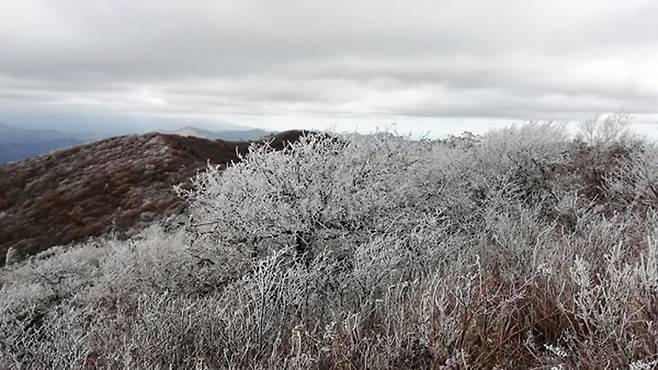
point(438, 65)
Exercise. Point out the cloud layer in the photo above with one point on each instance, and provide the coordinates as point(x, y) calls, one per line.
point(311, 63)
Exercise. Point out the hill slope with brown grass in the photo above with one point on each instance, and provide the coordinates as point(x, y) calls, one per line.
point(123, 183)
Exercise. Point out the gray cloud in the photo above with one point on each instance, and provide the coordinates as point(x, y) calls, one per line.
point(291, 63)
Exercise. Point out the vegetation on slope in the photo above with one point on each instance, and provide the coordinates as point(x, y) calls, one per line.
point(521, 248)
point(118, 184)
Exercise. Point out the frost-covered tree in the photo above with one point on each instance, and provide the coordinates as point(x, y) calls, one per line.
point(317, 190)
point(11, 256)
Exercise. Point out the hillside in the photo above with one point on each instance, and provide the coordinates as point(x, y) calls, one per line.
point(121, 183)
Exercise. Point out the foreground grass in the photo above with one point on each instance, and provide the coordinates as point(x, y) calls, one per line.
point(518, 249)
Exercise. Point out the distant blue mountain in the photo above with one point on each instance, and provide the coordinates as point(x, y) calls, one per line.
point(18, 143)
point(229, 135)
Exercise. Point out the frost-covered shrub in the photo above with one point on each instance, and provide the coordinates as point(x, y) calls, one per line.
point(634, 183)
point(606, 130)
point(317, 191)
point(11, 256)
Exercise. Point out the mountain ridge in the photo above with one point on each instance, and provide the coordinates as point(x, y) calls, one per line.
point(123, 182)
point(18, 143)
point(234, 135)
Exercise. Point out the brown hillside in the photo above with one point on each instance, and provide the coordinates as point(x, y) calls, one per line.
point(122, 182)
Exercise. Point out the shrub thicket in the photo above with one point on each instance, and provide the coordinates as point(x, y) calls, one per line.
point(520, 248)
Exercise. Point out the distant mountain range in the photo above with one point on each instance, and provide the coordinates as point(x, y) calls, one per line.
point(231, 135)
point(19, 143)
point(122, 182)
